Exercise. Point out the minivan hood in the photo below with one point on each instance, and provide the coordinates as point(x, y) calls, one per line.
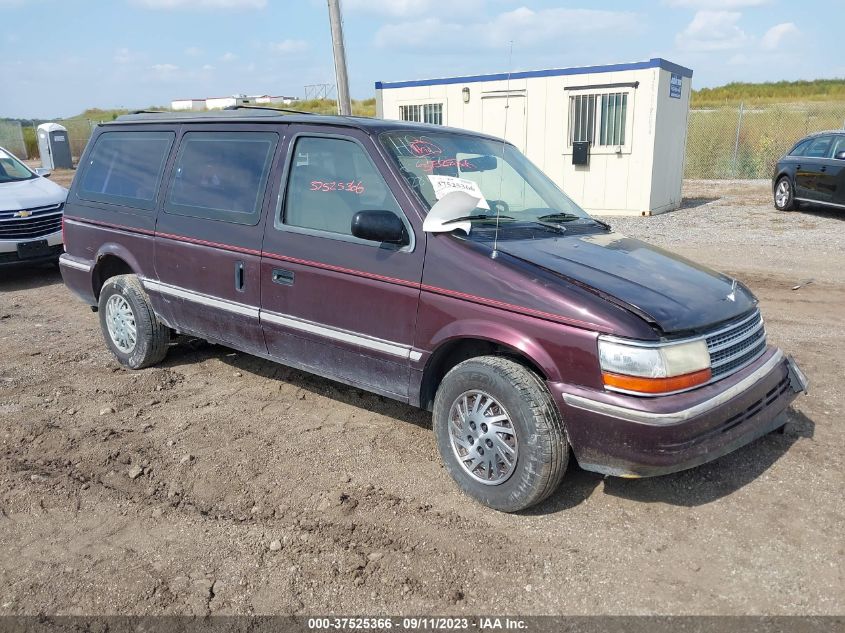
point(670, 291)
point(28, 194)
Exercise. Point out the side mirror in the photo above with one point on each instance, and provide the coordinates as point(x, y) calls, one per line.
point(839, 155)
point(43, 172)
point(379, 226)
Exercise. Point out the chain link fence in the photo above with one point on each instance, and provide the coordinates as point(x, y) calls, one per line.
point(12, 138)
point(746, 141)
point(21, 137)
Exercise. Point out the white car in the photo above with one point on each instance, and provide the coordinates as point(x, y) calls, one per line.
point(31, 210)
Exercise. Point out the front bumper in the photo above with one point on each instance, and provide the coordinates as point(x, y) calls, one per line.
point(630, 436)
point(9, 251)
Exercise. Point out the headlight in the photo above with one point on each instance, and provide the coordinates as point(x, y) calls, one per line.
point(653, 369)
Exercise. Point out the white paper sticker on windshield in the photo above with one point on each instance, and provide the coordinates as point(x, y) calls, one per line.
point(447, 184)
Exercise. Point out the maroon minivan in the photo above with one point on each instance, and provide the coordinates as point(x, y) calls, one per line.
point(432, 265)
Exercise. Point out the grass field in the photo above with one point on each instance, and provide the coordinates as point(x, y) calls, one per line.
point(770, 93)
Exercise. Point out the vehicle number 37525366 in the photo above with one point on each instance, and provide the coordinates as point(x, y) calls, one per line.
point(335, 185)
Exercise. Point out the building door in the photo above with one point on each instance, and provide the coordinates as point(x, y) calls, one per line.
point(503, 115)
point(331, 303)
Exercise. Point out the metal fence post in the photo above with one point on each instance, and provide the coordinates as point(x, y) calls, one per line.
point(736, 142)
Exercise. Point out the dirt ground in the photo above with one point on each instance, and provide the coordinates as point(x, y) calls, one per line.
point(220, 483)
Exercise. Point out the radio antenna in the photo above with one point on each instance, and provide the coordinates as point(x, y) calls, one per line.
point(495, 253)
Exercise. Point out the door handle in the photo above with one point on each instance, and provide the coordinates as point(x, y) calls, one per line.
point(823, 168)
point(240, 277)
point(283, 277)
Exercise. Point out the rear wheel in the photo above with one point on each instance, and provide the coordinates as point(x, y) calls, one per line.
point(130, 327)
point(785, 195)
point(499, 433)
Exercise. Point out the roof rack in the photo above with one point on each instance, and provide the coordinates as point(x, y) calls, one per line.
point(254, 107)
point(149, 112)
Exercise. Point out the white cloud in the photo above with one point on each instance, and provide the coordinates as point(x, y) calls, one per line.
point(228, 57)
point(164, 69)
point(527, 29)
point(772, 39)
point(409, 8)
point(8, 4)
point(289, 46)
point(712, 31)
point(714, 5)
point(193, 51)
point(198, 4)
point(208, 67)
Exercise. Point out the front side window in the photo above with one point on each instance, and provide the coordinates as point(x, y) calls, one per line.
point(819, 148)
point(799, 149)
point(13, 170)
point(126, 168)
point(839, 146)
point(329, 181)
point(422, 113)
point(509, 185)
point(222, 175)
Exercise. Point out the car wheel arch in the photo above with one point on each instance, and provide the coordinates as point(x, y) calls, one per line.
point(452, 350)
point(111, 260)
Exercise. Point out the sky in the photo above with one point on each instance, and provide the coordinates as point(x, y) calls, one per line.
point(59, 57)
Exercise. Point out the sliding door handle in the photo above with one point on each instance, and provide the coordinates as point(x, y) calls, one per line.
point(283, 276)
point(240, 277)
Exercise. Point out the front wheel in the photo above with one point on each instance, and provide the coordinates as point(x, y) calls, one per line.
point(784, 195)
point(130, 327)
point(499, 433)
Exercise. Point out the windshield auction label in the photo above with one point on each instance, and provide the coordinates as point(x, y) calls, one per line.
point(447, 184)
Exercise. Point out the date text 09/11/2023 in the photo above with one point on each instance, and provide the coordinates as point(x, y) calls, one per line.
point(417, 623)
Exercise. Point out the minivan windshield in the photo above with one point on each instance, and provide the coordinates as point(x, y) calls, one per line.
point(506, 182)
point(11, 169)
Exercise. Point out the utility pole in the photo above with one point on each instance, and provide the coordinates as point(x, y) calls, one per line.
point(344, 106)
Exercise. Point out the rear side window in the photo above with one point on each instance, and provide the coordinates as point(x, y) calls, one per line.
point(125, 168)
point(221, 175)
point(330, 180)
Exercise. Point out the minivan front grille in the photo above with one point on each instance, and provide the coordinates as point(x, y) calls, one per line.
point(736, 345)
point(37, 222)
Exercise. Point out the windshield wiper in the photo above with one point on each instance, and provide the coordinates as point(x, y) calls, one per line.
point(557, 228)
point(561, 217)
point(570, 217)
point(478, 216)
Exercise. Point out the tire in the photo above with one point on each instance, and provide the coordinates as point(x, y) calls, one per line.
point(784, 195)
point(125, 304)
point(532, 428)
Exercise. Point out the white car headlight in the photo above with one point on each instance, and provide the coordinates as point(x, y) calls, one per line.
point(653, 369)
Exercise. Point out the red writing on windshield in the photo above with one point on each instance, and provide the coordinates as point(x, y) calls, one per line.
point(431, 165)
point(424, 147)
point(335, 185)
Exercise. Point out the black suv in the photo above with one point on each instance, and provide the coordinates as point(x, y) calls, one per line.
point(812, 172)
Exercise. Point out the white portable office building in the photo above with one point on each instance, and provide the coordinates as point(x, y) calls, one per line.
point(612, 137)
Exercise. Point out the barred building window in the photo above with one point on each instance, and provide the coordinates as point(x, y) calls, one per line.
point(582, 119)
point(607, 111)
point(422, 113)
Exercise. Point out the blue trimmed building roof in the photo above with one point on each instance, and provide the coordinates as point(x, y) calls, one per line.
point(655, 62)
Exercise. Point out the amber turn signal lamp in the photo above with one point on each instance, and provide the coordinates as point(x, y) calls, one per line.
point(657, 385)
